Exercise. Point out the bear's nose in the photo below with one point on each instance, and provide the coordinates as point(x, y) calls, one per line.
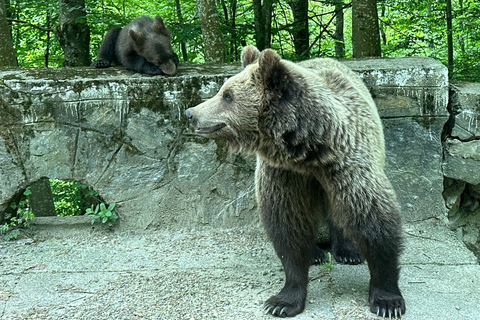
point(189, 114)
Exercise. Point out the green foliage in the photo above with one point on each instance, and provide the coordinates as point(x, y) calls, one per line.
point(17, 218)
point(409, 28)
point(102, 213)
point(72, 198)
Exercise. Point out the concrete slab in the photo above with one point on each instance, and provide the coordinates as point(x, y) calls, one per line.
point(217, 274)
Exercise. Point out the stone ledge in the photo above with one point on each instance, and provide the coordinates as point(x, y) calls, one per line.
point(124, 135)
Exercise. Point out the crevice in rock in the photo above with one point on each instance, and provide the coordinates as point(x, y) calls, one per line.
point(461, 194)
point(463, 211)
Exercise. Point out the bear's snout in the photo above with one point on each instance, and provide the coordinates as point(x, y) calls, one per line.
point(189, 114)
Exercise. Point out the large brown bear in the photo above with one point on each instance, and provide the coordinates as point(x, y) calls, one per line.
point(320, 153)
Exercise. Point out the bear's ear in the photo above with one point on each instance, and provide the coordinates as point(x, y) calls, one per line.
point(138, 38)
point(273, 73)
point(249, 55)
point(159, 27)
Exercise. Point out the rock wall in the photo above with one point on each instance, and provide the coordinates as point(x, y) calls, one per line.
point(461, 164)
point(125, 136)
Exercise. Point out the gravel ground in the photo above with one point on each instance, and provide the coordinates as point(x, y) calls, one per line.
point(215, 274)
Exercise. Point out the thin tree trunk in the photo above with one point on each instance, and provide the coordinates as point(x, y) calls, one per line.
point(233, 25)
point(7, 53)
point(449, 37)
point(339, 36)
point(214, 48)
point(73, 33)
point(365, 30)
point(263, 23)
point(300, 31)
point(183, 45)
point(383, 35)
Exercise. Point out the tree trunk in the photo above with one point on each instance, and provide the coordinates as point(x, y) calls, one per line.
point(183, 45)
point(73, 33)
point(41, 199)
point(214, 48)
point(339, 25)
point(262, 14)
point(449, 38)
point(365, 30)
point(300, 27)
point(7, 53)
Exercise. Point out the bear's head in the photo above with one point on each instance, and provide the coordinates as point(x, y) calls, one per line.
point(156, 47)
point(256, 108)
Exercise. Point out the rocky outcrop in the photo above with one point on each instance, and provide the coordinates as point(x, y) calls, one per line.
point(461, 164)
point(125, 136)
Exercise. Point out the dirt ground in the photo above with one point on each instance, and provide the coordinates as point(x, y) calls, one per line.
point(214, 274)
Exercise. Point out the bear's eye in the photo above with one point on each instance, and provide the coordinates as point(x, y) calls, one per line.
point(227, 97)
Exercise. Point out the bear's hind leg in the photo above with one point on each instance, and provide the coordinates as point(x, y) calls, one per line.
point(320, 253)
point(285, 207)
point(343, 250)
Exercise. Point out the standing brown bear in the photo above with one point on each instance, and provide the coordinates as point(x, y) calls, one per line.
point(320, 156)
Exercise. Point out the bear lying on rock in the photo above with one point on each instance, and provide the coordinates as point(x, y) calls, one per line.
point(320, 154)
point(143, 45)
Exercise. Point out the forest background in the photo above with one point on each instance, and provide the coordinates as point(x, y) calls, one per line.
point(446, 30)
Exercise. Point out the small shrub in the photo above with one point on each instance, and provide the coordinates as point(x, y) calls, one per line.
point(102, 213)
point(17, 218)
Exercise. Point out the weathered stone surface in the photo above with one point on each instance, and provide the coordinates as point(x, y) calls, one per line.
point(414, 165)
point(462, 160)
point(461, 163)
point(125, 136)
point(404, 87)
point(465, 107)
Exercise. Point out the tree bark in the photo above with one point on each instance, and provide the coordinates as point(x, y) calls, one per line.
point(214, 48)
point(449, 37)
point(262, 15)
point(183, 45)
point(339, 26)
point(41, 199)
point(301, 35)
point(73, 33)
point(7, 53)
point(365, 29)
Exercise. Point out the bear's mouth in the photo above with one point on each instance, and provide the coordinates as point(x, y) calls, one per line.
point(211, 129)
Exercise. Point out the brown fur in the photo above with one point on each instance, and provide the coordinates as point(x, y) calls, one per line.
point(143, 45)
point(320, 153)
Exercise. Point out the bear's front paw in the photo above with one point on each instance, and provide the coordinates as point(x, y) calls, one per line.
point(283, 305)
point(386, 304)
point(101, 64)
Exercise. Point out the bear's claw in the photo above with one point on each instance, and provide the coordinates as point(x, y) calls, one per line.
point(278, 306)
point(385, 304)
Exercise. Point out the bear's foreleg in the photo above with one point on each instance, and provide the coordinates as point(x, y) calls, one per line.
point(285, 201)
point(106, 54)
point(367, 212)
point(138, 63)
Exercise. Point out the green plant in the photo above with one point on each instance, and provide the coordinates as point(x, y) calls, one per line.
point(102, 213)
point(18, 217)
point(328, 265)
point(72, 198)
